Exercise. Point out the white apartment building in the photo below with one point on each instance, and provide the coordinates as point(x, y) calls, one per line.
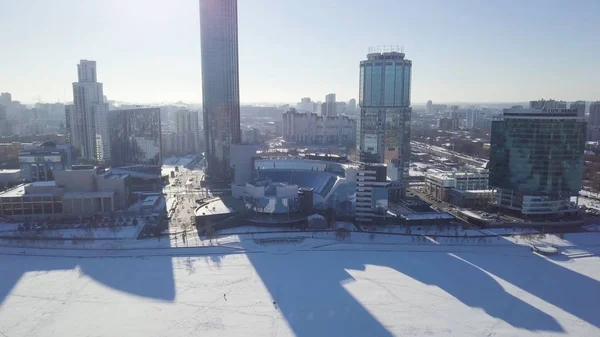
point(310, 128)
point(439, 183)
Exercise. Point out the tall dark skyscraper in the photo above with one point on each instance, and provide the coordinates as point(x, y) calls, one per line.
point(220, 84)
point(135, 136)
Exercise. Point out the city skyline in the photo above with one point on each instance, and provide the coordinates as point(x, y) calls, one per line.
point(464, 51)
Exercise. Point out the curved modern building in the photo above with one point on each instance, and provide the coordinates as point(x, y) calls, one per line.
point(220, 84)
point(383, 129)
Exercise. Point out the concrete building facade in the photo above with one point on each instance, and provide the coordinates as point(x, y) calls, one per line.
point(84, 191)
point(187, 135)
point(86, 118)
point(310, 128)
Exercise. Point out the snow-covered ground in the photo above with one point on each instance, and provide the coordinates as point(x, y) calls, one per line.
point(313, 285)
point(117, 232)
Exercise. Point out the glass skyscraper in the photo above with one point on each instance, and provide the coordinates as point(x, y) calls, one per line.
point(536, 159)
point(135, 137)
point(383, 128)
point(220, 84)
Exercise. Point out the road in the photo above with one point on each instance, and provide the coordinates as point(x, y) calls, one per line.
point(182, 194)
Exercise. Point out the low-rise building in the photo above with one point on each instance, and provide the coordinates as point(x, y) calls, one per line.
point(39, 162)
point(467, 188)
point(82, 191)
point(9, 177)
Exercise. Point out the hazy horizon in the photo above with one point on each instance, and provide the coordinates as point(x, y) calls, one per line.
point(149, 50)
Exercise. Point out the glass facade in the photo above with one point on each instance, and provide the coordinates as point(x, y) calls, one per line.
point(220, 87)
point(538, 156)
point(383, 129)
point(536, 160)
point(135, 137)
point(385, 83)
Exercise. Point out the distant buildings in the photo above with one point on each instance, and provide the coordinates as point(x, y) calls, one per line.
point(5, 127)
point(594, 121)
point(39, 163)
point(536, 158)
point(351, 108)
point(135, 137)
point(330, 106)
point(86, 118)
point(579, 106)
point(220, 84)
point(306, 104)
point(547, 104)
point(449, 124)
point(383, 129)
point(187, 137)
point(310, 128)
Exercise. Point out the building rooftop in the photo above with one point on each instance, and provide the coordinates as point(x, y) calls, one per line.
point(16, 191)
point(427, 216)
point(221, 205)
point(9, 171)
point(102, 194)
point(43, 183)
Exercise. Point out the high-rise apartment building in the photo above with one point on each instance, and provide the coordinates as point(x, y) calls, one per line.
point(135, 137)
point(578, 106)
point(536, 159)
point(306, 104)
point(5, 99)
point(87, 124)
point(594, 121)
point(220, 84)
point(351, 107)
point(187, 136)
point(383, 129)
point(310, 128)
point(330, 106)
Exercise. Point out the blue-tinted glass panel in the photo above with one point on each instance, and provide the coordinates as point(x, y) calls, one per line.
point(361, 85)
point(389, 84)
point(376, 81)
point(399, 84)
point(367, 98)
point(406, 95)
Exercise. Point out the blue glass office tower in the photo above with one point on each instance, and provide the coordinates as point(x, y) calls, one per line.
point(220, 84)
point(383, 128)
point(536, 159)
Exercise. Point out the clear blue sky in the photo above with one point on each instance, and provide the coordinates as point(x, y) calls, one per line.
point(149, 50)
